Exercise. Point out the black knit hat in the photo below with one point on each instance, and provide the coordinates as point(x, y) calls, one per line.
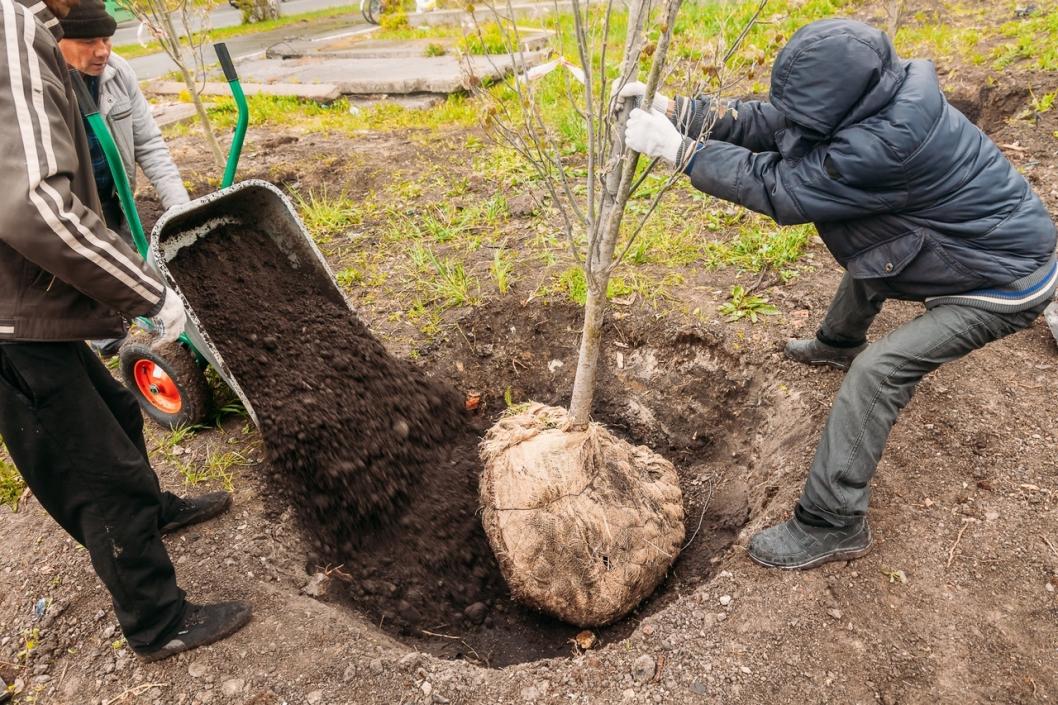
point(88, 20)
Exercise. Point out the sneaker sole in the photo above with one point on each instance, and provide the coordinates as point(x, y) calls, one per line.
point(845, 555)
point(843, 366)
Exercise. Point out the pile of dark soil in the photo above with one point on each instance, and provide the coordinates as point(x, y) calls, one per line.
point(379, 461)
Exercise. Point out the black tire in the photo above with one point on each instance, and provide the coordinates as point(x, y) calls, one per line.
point(371, 9)
point(180, 397)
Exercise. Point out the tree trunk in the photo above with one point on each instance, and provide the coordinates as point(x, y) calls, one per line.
point(617, 186)
point(192, 88)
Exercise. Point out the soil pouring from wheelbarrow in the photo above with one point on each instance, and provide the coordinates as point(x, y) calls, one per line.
point(250, 204)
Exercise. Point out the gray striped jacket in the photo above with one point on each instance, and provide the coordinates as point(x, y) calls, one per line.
point(139, 140)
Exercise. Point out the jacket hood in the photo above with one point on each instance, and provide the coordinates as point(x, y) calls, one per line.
point(833, 73)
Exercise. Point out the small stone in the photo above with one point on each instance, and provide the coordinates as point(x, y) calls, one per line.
point(108, 632)
point(991, 516)
point(628, 694)
point(476, 612)
point(410, 661)
point(233, 686)
point(316, 586)
point(440, 699)
point(197, 669)
point(835, 613)
point(699, 688)
point(350, 673)
point(644, 668)
point(314, 697)
point(1049, 587)
point(376, 666)
point(745, 669)
point(426, 688)
point(725, 600)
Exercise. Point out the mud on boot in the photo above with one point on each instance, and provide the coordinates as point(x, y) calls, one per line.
point(200, 626)
point(795, 545)
point(812, 351)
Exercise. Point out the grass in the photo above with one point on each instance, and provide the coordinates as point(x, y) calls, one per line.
point(11, 485)
point(744, 305)
point(761, 245)
point(131, 51)
point(502, 270)
point(216, 468)
point(1032, 40)
point(326, 214)
point(338, 117)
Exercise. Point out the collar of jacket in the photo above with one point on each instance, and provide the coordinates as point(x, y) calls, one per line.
point(46, 17)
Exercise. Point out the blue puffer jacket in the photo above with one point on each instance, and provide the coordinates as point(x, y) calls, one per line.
point(904, 190)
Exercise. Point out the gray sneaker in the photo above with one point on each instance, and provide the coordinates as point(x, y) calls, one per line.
point(812, 351)
point(795, 545)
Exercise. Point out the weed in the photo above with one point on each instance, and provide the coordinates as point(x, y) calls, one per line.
point(761, 245)
point(501, 270)
point(393, 21)
point(434, 49)
point(325, 215)
point(348, 277)
point(743, 305)
point(216, 468)
point(451, 284)
point(176, 437)
point(11, 483)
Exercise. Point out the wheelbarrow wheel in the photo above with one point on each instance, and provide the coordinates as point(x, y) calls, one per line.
point(166, 381)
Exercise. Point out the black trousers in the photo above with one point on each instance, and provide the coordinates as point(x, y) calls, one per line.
point(76, 436)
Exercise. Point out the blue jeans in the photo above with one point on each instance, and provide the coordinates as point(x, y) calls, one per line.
point(879, 384)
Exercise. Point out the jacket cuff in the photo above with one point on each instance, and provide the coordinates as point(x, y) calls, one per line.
point(158, 306)
point(717, 173)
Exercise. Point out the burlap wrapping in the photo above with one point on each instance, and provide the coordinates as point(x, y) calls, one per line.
point(583, 524)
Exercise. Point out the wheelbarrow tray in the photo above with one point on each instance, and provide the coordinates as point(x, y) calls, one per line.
point(253, 203)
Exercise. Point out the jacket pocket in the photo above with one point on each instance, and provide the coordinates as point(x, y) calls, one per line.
point(13, 383)
point(914, 264)
point(886, 259)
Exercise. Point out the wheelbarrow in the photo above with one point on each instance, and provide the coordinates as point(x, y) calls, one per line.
point(169, 381)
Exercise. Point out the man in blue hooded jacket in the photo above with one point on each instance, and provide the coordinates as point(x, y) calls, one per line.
point(911, 198)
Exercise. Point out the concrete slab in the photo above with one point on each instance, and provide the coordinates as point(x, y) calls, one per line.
point(364, 47)
point(172, 113)
point(321, 92)
point(485, 13)
point(403, 76)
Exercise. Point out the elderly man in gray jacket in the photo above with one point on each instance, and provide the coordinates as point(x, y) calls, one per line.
point(86, 47)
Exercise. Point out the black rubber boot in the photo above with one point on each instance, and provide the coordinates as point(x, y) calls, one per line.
point(794, 545)
point(812, 351)
point(201, 625)
point(193, 510)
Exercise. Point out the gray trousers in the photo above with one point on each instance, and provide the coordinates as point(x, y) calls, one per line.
point(879, 384)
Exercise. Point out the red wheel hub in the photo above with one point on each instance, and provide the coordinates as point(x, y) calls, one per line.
point(156, 386)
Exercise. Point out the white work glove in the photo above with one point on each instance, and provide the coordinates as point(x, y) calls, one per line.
point(170, 321)
point(638, 89)
point(654, 135)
